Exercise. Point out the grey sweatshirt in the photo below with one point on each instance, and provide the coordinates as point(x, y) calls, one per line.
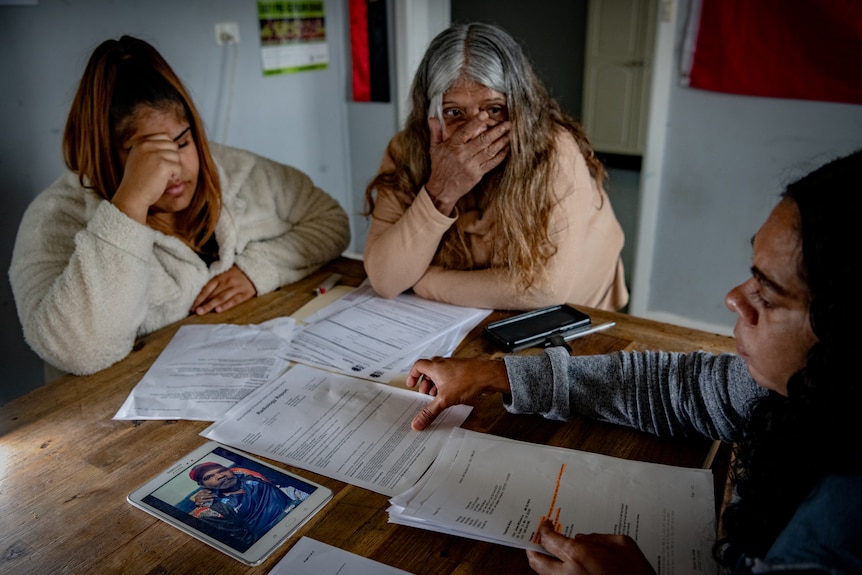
point(669, 394)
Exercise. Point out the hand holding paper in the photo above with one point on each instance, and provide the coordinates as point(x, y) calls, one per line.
point(353, 430)
point(454, 382)
point(594, 553)
point(500, 490)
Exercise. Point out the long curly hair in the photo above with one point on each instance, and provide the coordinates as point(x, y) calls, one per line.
point(793, 441)
point(518, 189)
point(120, 77)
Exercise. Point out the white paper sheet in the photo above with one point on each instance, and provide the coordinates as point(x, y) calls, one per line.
point(311, 557)
point(367, 336)
point(350, 429)
point(205, 369)
point(494, 489)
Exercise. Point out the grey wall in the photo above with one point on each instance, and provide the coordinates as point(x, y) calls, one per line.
point(727, 158)
point(303, 119)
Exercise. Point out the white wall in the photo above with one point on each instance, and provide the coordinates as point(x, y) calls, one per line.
point(302, 119)
point(716, 167)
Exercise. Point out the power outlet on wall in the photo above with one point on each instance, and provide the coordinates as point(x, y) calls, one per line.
point(227, 33)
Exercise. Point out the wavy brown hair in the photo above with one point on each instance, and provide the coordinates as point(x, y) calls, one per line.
point(518, 189)
point(120, 77)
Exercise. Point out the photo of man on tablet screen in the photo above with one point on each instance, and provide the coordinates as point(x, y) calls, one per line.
point(242, 503)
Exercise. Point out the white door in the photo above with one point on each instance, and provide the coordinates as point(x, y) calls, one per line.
point(617, 70)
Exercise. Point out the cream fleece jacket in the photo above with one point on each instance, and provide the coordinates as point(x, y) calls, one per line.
point(88, 280)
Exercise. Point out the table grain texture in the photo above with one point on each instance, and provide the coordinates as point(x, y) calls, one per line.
point(66, 467)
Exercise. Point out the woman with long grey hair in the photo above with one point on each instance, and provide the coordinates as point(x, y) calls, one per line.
point(491, 196)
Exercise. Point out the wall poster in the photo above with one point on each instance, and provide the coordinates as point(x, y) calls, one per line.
point(292, 36)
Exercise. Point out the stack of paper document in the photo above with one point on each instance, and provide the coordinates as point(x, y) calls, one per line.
point(499, 490)
point(207, 369)
point(367, 336)
point(353, 430)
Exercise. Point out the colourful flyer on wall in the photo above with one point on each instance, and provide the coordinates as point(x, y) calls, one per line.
point(292, 37)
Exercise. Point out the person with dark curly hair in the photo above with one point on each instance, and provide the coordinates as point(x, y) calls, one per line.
point(789, 398)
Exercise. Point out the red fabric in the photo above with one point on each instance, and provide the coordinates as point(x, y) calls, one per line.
point(804, 49)
point(360, 51)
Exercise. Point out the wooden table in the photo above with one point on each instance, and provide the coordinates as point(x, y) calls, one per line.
point(66, 466)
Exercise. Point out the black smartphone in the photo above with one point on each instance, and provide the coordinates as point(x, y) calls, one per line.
point(538, 328)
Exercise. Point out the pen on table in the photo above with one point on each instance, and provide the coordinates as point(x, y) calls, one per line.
point(590, 330)
point(327, 284)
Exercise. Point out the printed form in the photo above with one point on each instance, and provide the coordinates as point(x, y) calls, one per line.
point(350, 429)
point(494, 489)
point(205, 369)
point(367, 336)
point(311, 557)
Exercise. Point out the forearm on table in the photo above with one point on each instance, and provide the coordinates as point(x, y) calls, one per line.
point(490, 288)
point(400, 248)
point(559, 386)
point(663, 393)
point(287, 228)
point(273, 263)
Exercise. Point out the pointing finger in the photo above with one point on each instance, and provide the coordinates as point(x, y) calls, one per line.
point(427, 415)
